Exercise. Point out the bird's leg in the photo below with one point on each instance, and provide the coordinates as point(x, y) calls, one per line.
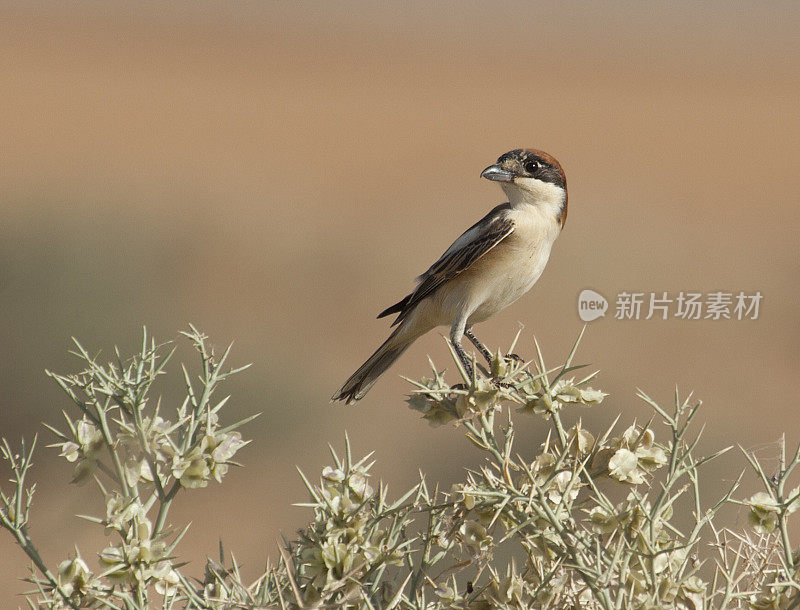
point(488, 355)
point(456, 334)
point(465, 360)
point(481, 347)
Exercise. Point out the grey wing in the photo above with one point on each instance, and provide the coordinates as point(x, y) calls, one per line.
point(472, 245)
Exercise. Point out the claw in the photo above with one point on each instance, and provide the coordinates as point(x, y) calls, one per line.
point(500, 384)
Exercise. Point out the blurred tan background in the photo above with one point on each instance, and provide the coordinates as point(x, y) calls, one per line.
point(277, 173)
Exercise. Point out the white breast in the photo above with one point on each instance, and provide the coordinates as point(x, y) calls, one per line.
point(515, 265)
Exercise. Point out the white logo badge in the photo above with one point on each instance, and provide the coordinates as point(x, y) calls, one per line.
point(591, 305)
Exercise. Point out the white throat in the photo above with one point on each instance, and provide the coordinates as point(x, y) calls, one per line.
point(546, 196)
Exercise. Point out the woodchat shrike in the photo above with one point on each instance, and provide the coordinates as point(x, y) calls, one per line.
point(491, 265)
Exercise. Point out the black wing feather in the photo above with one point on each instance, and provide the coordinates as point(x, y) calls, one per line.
point(497, 228)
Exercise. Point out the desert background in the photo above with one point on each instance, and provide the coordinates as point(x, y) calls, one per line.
point(278, 173)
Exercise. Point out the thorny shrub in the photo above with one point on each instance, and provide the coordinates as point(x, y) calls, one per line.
point(584, 522)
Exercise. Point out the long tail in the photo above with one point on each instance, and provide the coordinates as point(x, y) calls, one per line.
point(365, 377)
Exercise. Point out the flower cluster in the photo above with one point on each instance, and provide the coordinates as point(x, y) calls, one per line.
point(209, 458)
point(83, 447)
point(766, 510)
point(79, 586)
point(440, 403)
point(543, 400)
point(145, 445)
point(140, 559)
point(351, 535)
point(506, 380)
point(631, 457)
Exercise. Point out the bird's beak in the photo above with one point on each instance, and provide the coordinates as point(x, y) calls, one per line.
point(497, 173)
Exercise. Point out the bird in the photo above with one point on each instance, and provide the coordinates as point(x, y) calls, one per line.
point(491, 265)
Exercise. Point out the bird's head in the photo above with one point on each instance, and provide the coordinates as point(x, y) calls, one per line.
point(533, 177)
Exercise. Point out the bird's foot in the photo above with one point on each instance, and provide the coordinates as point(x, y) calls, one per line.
point(500, 384)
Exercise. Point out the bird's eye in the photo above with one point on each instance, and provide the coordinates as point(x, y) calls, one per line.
point(531, 166)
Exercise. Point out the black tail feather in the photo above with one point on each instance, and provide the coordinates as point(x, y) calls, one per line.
point(365, 377)
point(396, 308)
